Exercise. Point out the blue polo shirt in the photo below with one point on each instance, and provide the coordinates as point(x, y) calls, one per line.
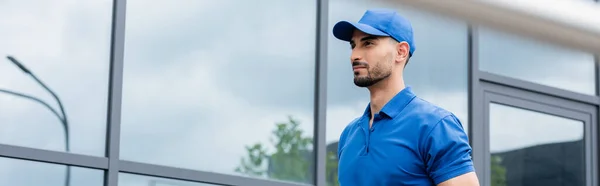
point(411, 142)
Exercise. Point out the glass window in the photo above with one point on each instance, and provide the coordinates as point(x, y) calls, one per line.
point(212, 90)
point(66, 45)
point(437, 72)
point(537, 62)
point(31, 173)
point(533, 148)
point(126, 179)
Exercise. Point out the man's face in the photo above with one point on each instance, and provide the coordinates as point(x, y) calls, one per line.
point(372, 58)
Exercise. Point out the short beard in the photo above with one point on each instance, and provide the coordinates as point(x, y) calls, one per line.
point(374, 76)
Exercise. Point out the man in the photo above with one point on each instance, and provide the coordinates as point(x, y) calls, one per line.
point(400, 139)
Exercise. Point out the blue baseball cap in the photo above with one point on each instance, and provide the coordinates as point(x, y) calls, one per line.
point(378, 22)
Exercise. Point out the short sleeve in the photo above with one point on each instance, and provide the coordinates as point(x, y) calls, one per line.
point(447, 150)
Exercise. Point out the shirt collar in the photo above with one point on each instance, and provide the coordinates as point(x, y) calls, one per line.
point(392, 108)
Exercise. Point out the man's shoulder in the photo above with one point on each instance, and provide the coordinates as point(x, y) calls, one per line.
point(426, 113)
point(354, 124)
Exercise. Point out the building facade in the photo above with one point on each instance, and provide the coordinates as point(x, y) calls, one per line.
point(256, 93)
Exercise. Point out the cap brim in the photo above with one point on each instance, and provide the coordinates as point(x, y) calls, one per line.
point(344, 30)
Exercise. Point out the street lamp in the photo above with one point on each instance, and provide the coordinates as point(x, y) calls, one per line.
point(62, 119)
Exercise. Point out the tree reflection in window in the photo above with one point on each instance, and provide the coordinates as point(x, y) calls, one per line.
point(292, 157)
point(498, 171)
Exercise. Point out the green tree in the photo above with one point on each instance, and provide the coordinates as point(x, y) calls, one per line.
point(253, 164)
point(292, 154)
point(498, 171)
point(290, 160)
point(331, 169)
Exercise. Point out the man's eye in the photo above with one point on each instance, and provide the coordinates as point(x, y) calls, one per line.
point(368, 43)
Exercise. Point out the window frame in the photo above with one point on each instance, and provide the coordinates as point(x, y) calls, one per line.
point(545, 105)
point(478, 82)
point(482, 84)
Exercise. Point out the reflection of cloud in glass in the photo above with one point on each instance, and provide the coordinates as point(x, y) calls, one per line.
point(200, 82)
point(207, 82)
point(534, 61)
point(514, 128)
point(66, 44)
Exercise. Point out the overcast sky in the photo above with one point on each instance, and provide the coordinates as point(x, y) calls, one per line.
point(205, 78)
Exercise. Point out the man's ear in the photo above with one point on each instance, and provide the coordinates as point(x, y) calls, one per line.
point(402, 52)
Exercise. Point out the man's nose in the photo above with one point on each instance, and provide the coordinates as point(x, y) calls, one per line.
point(355, 57)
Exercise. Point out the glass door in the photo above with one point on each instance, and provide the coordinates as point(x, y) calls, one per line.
point(536, 140)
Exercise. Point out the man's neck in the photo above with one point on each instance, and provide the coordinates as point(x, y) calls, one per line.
point(383, 92)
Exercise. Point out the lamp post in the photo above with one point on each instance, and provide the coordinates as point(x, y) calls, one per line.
point(62, 119)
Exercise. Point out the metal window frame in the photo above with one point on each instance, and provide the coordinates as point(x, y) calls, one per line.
point(49, 156)
point(595, 126)
point(197, 176)
point(321, 93)
point(116, 165)
point(476, 109)
point(112, 165)
point(481, 83)
point(518, 98)
point(113, 133)
point(109, 163)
